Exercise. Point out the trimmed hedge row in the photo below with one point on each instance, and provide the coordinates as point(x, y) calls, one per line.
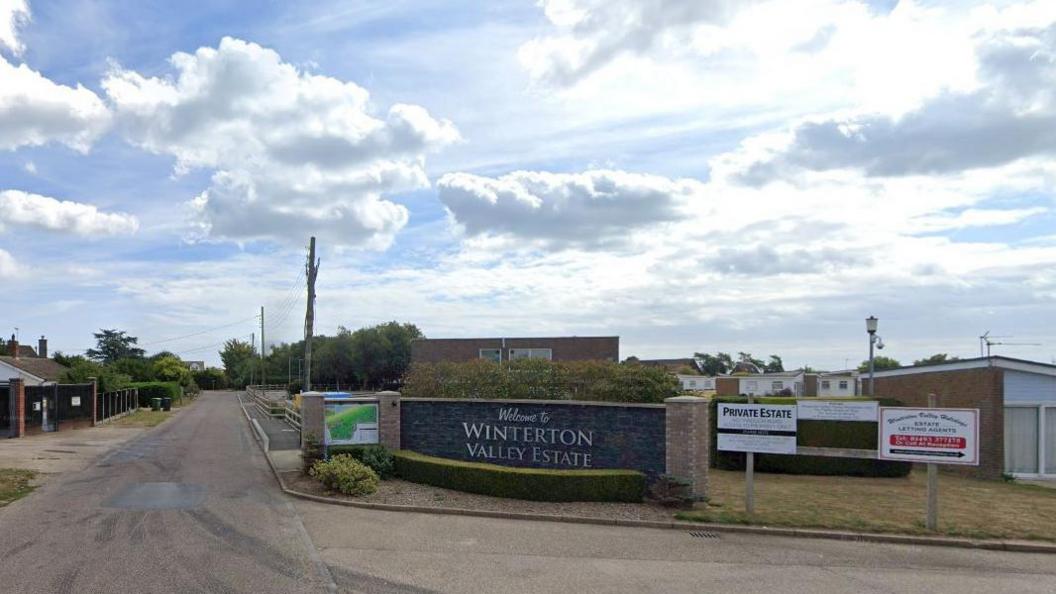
point(533, 484)
point(148, 390)
point(824, 434)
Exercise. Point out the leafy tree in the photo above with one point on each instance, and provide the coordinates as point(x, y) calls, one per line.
point(879, 363)
point(82, 370)
point(140, 370)
point(170, 368)
point(238, 356)
point(112, 345)
point(717, 364)
point(936, 359)
point(210, 379)
point(775, 365)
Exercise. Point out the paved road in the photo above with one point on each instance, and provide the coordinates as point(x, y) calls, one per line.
point(187, 507)
point(229, 530)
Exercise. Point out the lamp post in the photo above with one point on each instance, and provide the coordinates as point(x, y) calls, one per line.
point(870, 327)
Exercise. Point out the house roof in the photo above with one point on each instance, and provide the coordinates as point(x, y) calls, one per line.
point(45, 369)
point(976, 363)
point(671, 364)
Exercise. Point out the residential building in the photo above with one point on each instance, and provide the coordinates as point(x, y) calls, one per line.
point(23, 362)
point(696, 383)
point(195, 365)
point(836, 384)
point(1016, 401)
point(563, 348)
point(788, 383)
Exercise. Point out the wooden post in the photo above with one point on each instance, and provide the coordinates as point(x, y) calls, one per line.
point(932, 522)
point(749, 478)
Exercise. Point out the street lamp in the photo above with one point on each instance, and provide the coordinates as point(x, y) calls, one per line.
point(870, 327)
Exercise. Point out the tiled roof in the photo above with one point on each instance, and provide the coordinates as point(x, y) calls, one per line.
point(45, 369)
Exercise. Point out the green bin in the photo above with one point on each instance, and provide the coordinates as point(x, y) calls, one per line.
point(155, 404)
point(166, 403)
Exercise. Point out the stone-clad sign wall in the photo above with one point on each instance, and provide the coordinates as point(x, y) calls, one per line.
point(538, 434)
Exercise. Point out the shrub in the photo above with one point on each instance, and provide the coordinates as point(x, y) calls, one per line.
point(345, 474)
point(148, 390)
point(377, 457)
point(538, 379)
point(825, 434)
point(312, 451)
point(671, 491)
point(534, 484)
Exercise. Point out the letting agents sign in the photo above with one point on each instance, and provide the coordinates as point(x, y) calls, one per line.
point(937, 435)
point(764, 428)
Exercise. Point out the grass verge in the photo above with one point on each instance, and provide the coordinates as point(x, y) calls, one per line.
point(14, 484)
point(145, 417)
point(967, 507)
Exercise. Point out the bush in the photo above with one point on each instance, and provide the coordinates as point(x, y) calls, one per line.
point(345, 474)
point(534, 484)
point(149, 390)
point(823, 434)
point(377, 457)
point(538, 379)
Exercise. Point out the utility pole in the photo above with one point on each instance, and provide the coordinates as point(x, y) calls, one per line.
point(263, 363)
point(311, 270)
point(252, 367)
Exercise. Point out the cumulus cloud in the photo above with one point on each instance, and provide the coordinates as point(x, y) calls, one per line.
point(289, 149)
point(13, 14)
point(592, 208)
point(22, 208)
point(594, 32)
point(8, 266)
point(1010, 116)
point(764, 260)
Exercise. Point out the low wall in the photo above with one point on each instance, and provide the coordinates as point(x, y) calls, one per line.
point(537, 434)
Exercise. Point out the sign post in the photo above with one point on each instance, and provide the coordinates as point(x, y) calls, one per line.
point(931, 435)
point(749, 479)
point(751, 428)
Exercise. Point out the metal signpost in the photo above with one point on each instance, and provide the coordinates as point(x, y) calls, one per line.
point(750, 428)
point(933, 436)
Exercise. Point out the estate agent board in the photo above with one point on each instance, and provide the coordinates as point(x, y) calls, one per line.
point(936, 435)
point(762, 428)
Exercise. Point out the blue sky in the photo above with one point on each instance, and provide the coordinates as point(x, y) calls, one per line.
point(690, 176)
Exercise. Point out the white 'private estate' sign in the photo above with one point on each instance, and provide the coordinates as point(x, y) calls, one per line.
point(762, 428)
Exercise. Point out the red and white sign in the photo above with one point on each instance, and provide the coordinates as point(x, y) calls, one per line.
point(936, 435)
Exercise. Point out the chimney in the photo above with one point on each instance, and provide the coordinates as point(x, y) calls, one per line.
point(12, 347)
point(42, 347)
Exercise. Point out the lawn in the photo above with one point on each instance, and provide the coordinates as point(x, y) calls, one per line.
point(145, 417)
point(14, 484)
point(967, 507)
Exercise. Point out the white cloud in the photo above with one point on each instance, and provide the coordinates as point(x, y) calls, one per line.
point(35, 110)
point(593, 208)
point(291, 150)
point(22, 208)
point(13, 14)
point(8, 266)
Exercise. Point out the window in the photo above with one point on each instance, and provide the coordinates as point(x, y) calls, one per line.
point(1021, 440)
point(491, 354)
point(778, 386)
point(693, 383)
point(843, 384)
point(531, 354)
point(753, 385)
point(824, 384)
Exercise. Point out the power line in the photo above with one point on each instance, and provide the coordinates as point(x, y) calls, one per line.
point(199, 333)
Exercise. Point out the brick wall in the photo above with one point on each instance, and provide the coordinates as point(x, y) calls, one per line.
point(622, 436)
point(568, 348)
point(968, 388)
point(17, 395)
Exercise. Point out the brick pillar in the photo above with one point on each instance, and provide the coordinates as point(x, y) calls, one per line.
point(312, 421)
point(389, 419)
point(17, 397)
point(688, 441)
point(95, 398)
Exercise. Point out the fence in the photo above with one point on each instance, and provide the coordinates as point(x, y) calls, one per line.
point(111, 405)
point(264, 399)
point(48, 407)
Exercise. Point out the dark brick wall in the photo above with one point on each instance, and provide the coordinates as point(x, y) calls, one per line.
point(630, 437)
point(968, 388)
point(568, 348)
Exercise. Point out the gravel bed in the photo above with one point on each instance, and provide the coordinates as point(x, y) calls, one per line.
point(399, 492)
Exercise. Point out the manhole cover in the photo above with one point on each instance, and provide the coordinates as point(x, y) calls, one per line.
point(158, 496)
point(703, 534)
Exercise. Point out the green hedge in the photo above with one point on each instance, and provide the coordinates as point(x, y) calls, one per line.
point(823, 434)
point(534, 484)
point(148, 390)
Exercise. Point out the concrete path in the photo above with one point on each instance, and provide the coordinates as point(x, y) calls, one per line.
point(63, 451)
point(281, 436)
point(189, 506)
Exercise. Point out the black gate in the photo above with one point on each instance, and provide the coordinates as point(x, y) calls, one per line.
point(5, 410)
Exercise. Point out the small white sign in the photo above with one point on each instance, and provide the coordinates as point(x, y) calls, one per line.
point(937, 435)
point(36, 406)
point(837, 410)
point(75, 400)
point(763, 428)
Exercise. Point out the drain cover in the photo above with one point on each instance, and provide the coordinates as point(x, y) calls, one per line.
point(158, 496)
point(703, 534)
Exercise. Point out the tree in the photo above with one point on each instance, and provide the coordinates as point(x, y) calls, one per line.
point(936, 359)
point(238, 356)
point(170, 368)
point(775, 365)
point(112, 345)
point(140, 370)
point(82, 371)
point(210, 379)
point(879, 363)
point(712, 365)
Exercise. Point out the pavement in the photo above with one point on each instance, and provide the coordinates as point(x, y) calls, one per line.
point(281, 436)
point(63, 451)
point(191, 506)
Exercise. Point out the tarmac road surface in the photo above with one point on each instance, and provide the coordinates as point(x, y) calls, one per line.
point(191, 506)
